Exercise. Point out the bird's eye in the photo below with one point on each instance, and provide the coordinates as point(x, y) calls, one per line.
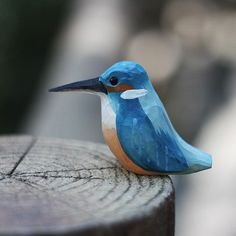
point(113, 81)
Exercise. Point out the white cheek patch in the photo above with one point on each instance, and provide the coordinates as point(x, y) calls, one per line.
point(133, 93)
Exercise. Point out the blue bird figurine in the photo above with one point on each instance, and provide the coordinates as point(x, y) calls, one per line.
point(135, 124)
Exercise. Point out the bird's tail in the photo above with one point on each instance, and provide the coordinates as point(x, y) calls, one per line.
point(197, 160)
point(200, 162)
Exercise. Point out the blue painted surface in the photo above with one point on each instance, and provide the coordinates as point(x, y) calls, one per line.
point(144, 129)
point(151, 150)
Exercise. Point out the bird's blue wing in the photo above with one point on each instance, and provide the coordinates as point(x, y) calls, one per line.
point(152, 148)
point(196, 159)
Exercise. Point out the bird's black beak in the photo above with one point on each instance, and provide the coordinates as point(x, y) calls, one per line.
point(90, 85)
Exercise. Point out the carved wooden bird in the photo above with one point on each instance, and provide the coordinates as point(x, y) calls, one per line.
point(135, 124)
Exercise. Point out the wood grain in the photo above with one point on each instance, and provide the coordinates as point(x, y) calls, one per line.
point(12, 149)
point(68, 187)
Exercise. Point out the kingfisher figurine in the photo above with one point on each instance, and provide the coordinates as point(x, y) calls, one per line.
point(135, 124)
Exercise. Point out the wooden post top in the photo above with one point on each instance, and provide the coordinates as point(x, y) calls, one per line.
point(66, 187)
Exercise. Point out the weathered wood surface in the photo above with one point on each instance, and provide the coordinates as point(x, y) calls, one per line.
point(68, 187)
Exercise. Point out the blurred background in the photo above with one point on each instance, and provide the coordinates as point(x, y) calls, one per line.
point(189, 50)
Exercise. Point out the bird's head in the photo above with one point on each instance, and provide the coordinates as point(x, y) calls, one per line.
point(123, 80)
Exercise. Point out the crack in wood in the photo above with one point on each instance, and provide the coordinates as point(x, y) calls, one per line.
point(28, 183)
point(65, 171)
point(57, 176)
point(33, 141)
point(86, 182)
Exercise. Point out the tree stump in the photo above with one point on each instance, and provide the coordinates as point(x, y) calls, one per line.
point(67, 187)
